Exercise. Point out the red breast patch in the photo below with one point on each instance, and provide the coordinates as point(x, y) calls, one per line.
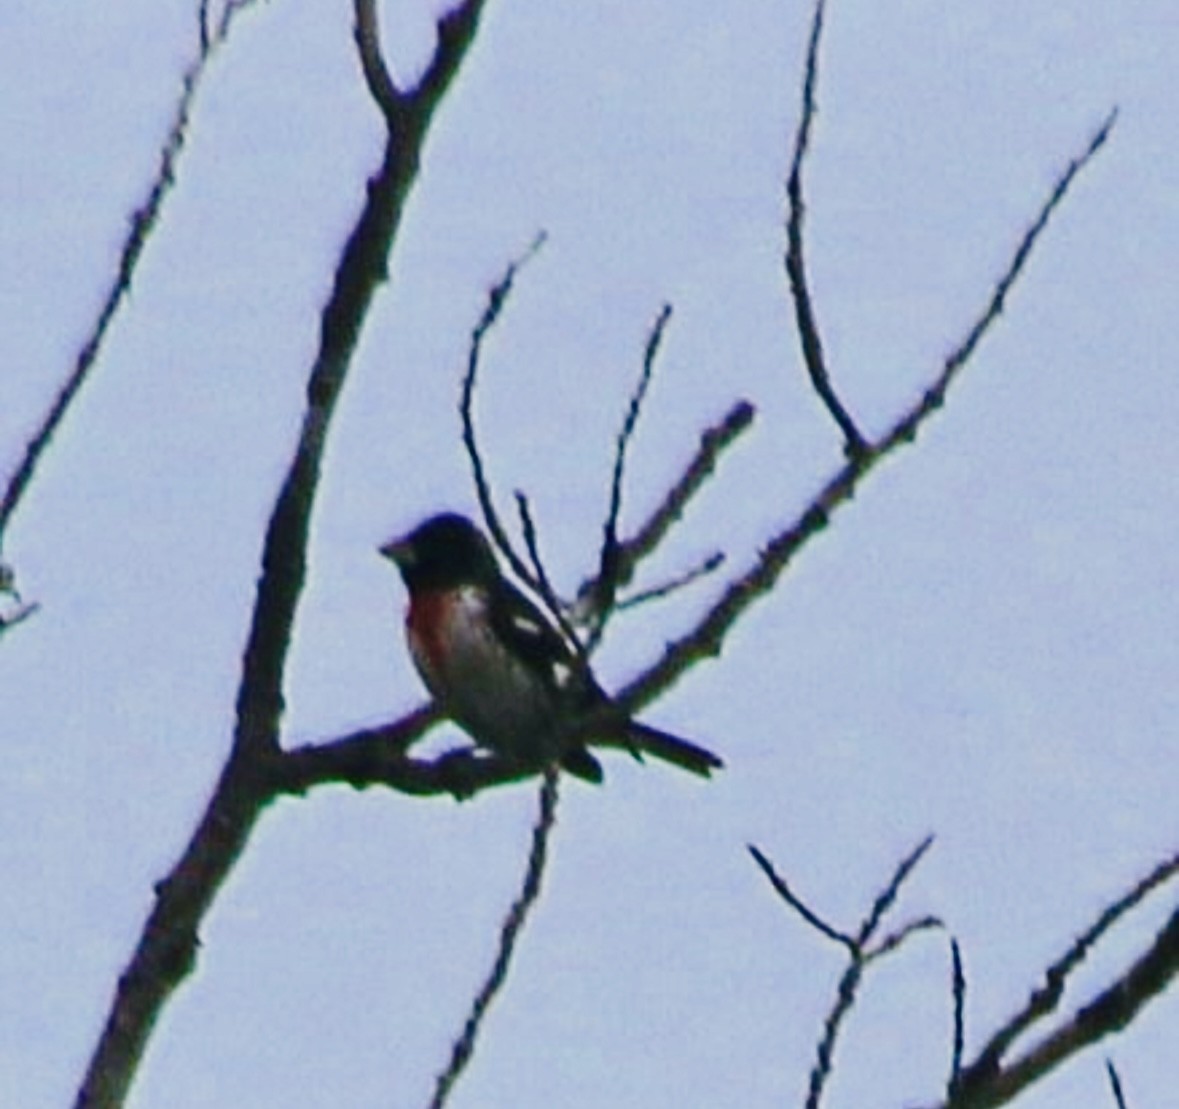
point(426, 629)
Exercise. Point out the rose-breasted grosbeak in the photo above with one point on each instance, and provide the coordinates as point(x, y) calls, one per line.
point(499, 669)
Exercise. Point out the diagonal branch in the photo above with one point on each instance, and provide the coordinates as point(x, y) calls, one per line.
point(166, 952)
point(513, 926)
point(1044, 1001)
point(905, 430)
point(702, 569)
point(363, 268)
point(707, 637)
point(1108, 1013)
point(143, 223)
point(377, 757)
point(859, 954)
point(849, 984)
point(985, 1071)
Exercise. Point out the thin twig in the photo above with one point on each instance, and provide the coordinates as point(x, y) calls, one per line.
point(496, 299)
point(143, 222)
point(634, 408)
point(905, 429)
point(887, 896)
point(825, 1052)
point(204, 25)
point(18, 615)
point(607, 579)
point(958, 991)
point(21, 610)
point(464, 1046)
point(804, 311)
point(1115, 1084)
point(783, 890)
point(857, 963)
point(657, 592)
point(544, 586)
point(229, 13)
point(897, 938)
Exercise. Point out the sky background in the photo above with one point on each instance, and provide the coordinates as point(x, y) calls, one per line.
point(983, 645)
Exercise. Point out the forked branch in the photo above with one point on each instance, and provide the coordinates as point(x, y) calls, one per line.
point(860, 949)
point(991, 1080)
point(168, 945)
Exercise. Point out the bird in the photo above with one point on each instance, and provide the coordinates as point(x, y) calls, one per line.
point(501, 670)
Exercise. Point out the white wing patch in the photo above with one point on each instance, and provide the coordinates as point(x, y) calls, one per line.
point(527, 625)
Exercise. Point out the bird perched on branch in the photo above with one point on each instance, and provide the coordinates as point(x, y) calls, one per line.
point(500, 670)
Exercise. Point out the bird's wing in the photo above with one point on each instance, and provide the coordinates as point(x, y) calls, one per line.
point(524, 629)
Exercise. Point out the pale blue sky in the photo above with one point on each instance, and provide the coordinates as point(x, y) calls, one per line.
point(983, 645)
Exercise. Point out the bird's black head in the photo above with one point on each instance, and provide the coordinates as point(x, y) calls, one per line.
point(443, 551)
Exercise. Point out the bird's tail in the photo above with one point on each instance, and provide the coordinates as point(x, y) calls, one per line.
point(663, 745)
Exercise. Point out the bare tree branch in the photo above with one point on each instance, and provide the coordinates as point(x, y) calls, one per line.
point(544, 586)
point(372, 60)
point(713, 443)
point(377, 757)
point(143, 223)
point(858, 951)
point(464, 1046)
point(17, 616)
point(905, 430)
point(1108, 1013)
point(259, 770)
point(898, 937)
point(783, 890)
point(1044, 1001)
point(958, 989)
point(335, 763)
point(601, 606)
point(707, 566)
point(166, 951)
point(496, 299)
point(21, 610)
point(456, 31)
point(706, 639)
point(1115, 1084)
point(595, 599)
point(854, 443)
point(850, 981)
point(989, 1082)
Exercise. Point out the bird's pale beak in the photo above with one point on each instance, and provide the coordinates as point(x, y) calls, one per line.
point(400, 551)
